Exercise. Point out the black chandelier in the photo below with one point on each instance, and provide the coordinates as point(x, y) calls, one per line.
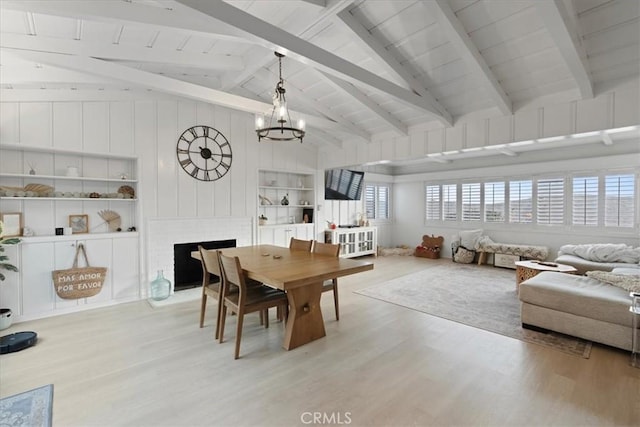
point(279, 131)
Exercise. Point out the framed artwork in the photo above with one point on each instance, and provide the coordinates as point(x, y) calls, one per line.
point(12, 224)
point(79, 223)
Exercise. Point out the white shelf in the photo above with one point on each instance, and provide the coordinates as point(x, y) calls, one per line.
point(287, 206)
point(79, 236)
point(269, 187)
point(66, 199)
point(66, 178)
point(36, 149)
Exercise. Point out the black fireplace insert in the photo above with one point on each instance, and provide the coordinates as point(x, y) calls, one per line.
point(187, 271)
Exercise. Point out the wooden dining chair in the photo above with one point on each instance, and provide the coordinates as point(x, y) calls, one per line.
point(329, 285)
point(212, 286)
point(300, 245)
point(241, 299)
point(210, 266)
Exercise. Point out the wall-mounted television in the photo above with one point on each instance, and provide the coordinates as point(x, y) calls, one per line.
point(342, 184)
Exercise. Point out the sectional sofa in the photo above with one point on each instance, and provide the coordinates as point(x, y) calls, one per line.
point(582, 306)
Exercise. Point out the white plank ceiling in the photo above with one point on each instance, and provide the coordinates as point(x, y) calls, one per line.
point(352, 68)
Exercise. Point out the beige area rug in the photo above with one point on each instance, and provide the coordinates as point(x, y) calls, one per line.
point(479, 296)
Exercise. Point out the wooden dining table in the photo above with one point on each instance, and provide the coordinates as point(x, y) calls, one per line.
point(301, 275)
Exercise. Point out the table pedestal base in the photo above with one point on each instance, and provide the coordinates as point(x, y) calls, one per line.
point(305, 322)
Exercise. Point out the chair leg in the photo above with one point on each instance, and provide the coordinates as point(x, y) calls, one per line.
point(203, 307)
point(239, 332)
point(266, 318)
point(335, 299)
point(261, 317)
point(219, 315)
point(223, 316)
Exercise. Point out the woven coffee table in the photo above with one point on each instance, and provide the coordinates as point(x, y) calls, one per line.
point(527, 269)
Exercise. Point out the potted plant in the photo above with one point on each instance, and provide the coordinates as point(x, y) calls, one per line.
point(5, 313)
point(262, 220)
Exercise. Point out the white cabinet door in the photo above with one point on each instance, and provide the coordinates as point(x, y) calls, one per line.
point(282, 235)
point(99, 252)
point(125, 271)
point(63, 254)
point(265, 236)
point(37, 263)
point(304, 232)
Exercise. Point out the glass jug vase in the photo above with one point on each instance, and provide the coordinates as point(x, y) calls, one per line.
point(160, 287)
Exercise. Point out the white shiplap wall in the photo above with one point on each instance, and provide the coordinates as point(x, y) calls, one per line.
point(150, 129)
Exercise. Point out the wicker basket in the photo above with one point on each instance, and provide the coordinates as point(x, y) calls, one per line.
point(430, 247)
point(79, 282)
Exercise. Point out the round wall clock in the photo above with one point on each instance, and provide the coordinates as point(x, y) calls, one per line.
point(204, 153)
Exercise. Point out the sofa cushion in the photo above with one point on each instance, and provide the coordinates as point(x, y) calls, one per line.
point(578, 295)
point(627, 271)
point(468, 238)
point(583, 265)
point(603, 252)
point(628, 282)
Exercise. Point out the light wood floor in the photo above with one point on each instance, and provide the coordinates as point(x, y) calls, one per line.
point(380, 365)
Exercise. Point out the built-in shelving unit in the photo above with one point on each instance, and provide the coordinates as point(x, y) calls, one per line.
point(293, 218)
point(102, 174)
point(29, 292)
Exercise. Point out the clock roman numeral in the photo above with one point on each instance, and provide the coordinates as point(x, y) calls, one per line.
point(183, 151)
point(194, 172)
point(206, 176)
point(224, 165)
point(185, 162)
point(193, 132)
point(205, 131)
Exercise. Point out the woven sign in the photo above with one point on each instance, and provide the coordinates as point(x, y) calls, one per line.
point(79, 282)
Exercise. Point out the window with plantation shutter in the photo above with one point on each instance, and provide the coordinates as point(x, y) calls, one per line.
point(550, 201)
point(494, 202)
point(619, 191)
point(471, 202)
point(449, 202)
point(520, 202)
point(376, 200)
point(584, 202)
point(432, 197)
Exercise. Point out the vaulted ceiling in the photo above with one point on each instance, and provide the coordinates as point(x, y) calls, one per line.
point(353, 68)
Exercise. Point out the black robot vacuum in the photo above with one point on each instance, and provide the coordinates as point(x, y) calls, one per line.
point(17, 341)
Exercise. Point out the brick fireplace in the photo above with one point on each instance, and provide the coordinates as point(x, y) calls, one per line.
point(163, 233)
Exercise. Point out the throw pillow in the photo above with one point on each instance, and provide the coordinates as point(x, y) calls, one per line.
point(464, 255)
point(469, 238)
point(624, 281)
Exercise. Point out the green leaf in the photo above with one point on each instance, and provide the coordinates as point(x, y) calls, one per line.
point(10, 267)
point(4, 258)
point(10, 241)
point(1, 277)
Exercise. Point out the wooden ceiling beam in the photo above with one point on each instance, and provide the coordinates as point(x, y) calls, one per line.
point(122, 53)
point(562, 25)
point(377, 48)
point(368, 103)
point(261, 59)
point(310, 54)
point(162, 84)
point(130, 12)
point(458, 37)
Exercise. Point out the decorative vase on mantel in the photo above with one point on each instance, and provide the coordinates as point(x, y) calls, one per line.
point(160, 287)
